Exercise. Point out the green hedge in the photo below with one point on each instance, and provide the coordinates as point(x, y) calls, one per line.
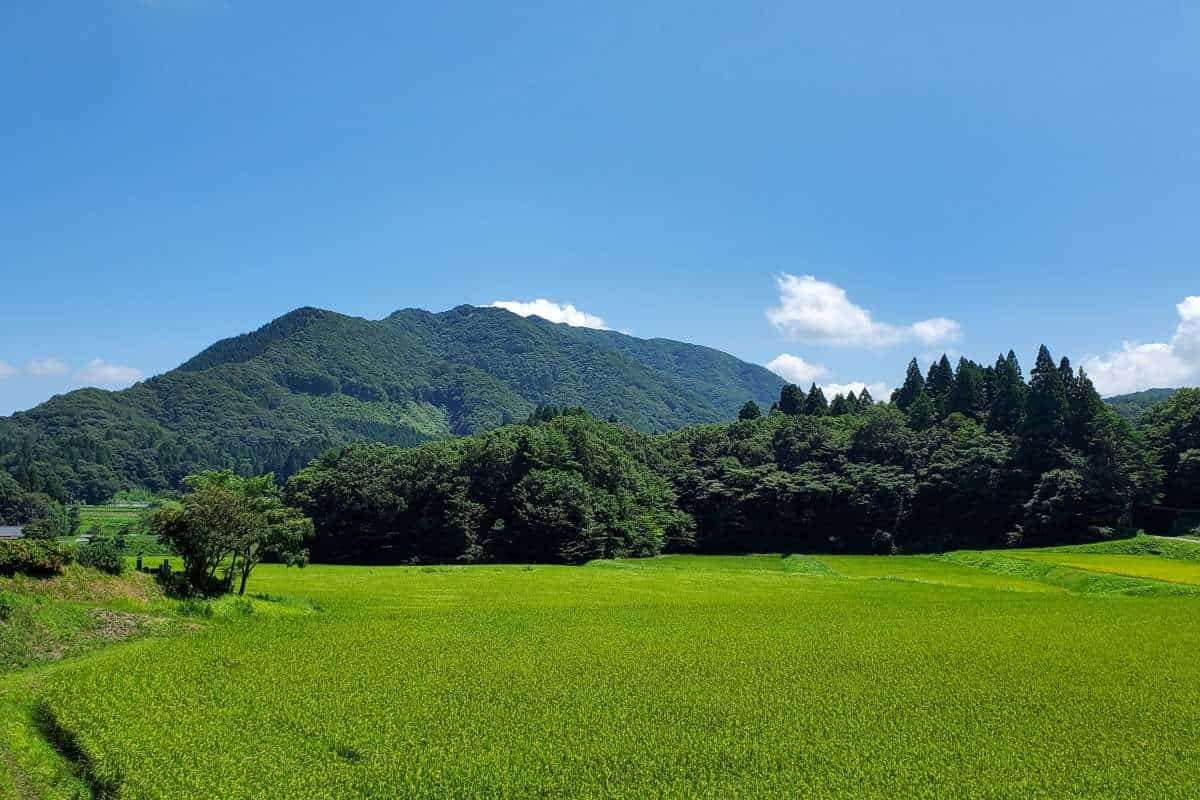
point(33, 556)
point(101, 554)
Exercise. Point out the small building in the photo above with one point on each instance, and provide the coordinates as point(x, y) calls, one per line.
point(10, 532)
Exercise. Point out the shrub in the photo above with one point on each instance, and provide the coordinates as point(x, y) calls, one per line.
point(33, 557)
point(101, 554)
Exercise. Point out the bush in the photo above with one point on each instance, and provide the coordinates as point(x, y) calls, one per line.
point(101, 554)
point(33, 557)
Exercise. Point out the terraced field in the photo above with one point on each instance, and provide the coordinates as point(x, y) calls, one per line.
point(719, 677)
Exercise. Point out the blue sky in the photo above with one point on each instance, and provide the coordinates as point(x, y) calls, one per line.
point(846, 184)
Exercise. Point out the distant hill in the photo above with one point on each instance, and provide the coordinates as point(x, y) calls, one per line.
point(1132, 405)
point(313, 379)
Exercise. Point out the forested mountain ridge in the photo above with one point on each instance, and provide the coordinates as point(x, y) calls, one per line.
point(273, 399)
point(1132, 405)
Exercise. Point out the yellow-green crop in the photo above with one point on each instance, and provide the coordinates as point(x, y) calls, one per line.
point(672, 677)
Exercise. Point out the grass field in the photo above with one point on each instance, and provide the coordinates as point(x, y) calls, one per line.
point(111, 520)
point(705, 677)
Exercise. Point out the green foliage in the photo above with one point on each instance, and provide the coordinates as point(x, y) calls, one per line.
point(568, 490)
point(913, 386)
point(273, 400)
point(750, 411)
point(101, 554)
point(233, 523)
point(33, 556)
point(1007, 393)
point(815, 404)
point(791, 400)
point(1172, 430)
point(939, 385)
point(1130, 406)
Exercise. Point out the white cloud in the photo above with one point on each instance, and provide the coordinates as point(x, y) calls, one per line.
point(879, 391)
point(819, 311)
point(554, 312)
point(7, 370)
point(1144, 366)
point(46, 366)
point(795, 369)
point(938, 329)
point(99, 372)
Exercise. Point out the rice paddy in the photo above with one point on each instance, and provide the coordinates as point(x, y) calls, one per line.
point(699, 677)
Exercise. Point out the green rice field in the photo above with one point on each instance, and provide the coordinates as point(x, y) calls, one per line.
point(998, 675)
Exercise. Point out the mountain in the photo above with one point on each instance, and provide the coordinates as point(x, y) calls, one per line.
point(273, 399)
point(1132, 405)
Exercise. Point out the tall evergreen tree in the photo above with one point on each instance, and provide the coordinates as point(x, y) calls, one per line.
point(1047, 409)
point(914, 384)
point(968, 396)
point(815, 404)
point(922, 413)
point(750, 411)
point(865, 401)
point(852, 404)
point(1085, 406)
point(838, 406)
point(1008, 396)
point(939, 384)
point(791, 400)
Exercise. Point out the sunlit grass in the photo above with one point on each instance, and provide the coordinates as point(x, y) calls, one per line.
point(1155, 567)
point(670, 677)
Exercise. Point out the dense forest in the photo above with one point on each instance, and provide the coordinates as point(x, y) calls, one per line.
point(966, 456)
point(274, 399)
point(1133, 404)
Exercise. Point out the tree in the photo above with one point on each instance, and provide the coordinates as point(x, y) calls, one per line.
point(940, 384)
point(913, 385)
point(749, 411)
point(839, 407)
point(969, 394)
point(1084, 406)
point(791, 400)
point(1172, 431)
point(865, 401)
point(1047, 410)
point(922, 413)
point(1007, 396)
point(815, 404)
point(224, 517)
point(272, 530)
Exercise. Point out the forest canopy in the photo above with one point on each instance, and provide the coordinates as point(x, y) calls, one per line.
point(965, 456)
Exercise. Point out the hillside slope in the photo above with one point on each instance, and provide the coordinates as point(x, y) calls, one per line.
point(1130, 406)
point(313, 379)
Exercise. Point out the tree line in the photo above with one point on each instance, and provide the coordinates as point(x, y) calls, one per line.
point(958, 457)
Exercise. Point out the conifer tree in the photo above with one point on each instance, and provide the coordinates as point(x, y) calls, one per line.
point(1008, 399)
point(865, 401)
point(750, 411)
point(1085, 406)
point(791, 400)
point(968, 395)
point(939, 384)
point(838, 407)
point(852, 405)
point(922, 413)
point(815, 404)
point(914, 384)
point(1047, 411)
